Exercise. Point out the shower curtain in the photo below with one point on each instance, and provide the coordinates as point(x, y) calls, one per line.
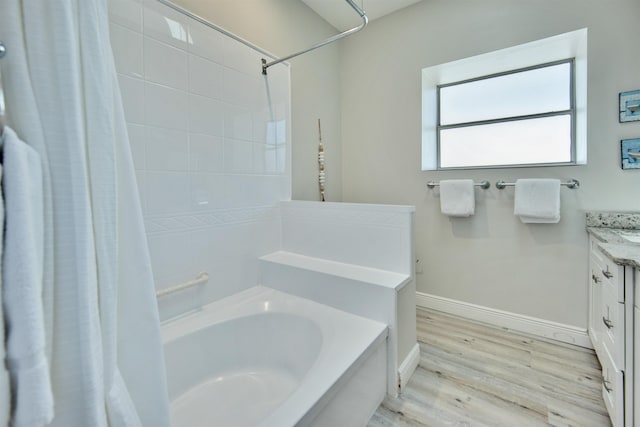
point(102, 329)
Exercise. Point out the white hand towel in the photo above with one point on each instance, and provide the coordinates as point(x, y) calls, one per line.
point(537, 200)
point(22, 276)
point(457, 197)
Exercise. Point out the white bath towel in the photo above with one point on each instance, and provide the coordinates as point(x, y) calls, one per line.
point(457, 197)
point(22, 276)
point(537, 200)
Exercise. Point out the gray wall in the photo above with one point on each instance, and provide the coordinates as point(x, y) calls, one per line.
point(491, 259)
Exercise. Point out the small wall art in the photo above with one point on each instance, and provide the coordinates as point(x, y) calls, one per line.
point(629, 106)
point(630, 150)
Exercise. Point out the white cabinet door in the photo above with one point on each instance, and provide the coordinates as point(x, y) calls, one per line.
point(636, 359)
point(595, 299)
point(612, 389)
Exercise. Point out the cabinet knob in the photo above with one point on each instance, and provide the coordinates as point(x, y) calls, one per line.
point(608, 323)
point(595, 279)
point(607, 274)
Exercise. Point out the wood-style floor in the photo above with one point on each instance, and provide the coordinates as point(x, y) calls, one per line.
point(474, 375)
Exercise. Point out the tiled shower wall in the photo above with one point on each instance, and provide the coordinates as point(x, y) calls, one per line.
point(210, 138)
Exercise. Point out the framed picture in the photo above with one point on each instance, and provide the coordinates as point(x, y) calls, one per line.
point(630, 150)
point(629, 106)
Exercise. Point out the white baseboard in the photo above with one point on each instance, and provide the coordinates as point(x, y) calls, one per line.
point(408, 366)
point(504, 319)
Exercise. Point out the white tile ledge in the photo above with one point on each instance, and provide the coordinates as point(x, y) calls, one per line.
point(384, 278)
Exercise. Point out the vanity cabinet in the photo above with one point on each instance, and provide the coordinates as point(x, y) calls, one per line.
point(636, 351)
point(611, 329)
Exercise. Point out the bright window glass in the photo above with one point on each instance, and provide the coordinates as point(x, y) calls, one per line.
point(524, 117)
point(528, 92)
point(523, 142)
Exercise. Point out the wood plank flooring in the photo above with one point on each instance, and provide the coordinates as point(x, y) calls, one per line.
point(475, 375)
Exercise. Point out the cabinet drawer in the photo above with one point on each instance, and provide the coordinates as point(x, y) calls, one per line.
point(613, 325)
point(636, 274)
point(613, 390)
point(596, 327)
point(612, 274)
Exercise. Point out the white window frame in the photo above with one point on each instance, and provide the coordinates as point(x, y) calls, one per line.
point(538, 53)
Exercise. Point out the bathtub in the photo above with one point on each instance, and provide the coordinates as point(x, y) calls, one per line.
point(266, 358)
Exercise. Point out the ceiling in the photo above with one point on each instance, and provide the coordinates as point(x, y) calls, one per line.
point(339, 14)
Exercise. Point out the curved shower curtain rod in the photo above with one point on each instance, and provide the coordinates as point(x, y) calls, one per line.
point(354, 30)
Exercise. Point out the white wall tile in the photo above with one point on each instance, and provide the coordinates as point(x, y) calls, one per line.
point(205, 77)
point(171, 267)
point(166, 25)
point(206, 116)
point(240, 89)
point(207, 191)
point(282, 161)
point(204, 144)
point(240, 190)
point(167, 149)
point(206, 153)
point(240, 58)
point(167, 192)
point(206, 42)
point(137, 141)
point(238, 123)
point(238, 156)
point(264, 158)
point(164, 64)
point(132, 91)
point(128, 45)
point(165, 107)
point(127, 13)
point(263, 130)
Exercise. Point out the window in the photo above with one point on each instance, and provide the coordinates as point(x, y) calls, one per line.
point(521, 117)
point(520, 106)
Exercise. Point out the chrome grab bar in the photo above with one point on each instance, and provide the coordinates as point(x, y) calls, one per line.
point(202, 278)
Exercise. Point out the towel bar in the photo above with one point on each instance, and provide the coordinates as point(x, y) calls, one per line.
point(202, 278)
point(572, 183)
point(482, 184)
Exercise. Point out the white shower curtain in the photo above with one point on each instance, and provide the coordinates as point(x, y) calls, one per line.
point(62, 97)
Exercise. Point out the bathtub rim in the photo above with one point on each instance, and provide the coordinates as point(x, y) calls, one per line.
point(304, 404)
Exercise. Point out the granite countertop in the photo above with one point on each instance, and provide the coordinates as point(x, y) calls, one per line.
point(619, 234)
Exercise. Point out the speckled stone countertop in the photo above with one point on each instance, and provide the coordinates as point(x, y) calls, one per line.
point(619, 234)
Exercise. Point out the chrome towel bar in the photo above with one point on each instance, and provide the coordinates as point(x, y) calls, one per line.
point(202, 278)
point(482, 184)
point(572, 183)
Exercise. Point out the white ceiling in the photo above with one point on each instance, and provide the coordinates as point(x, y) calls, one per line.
point(340, 14)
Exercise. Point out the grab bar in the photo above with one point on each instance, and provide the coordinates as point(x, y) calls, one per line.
point(482, 184)
point(365, 21)
point(202, 278)
point(572, 183)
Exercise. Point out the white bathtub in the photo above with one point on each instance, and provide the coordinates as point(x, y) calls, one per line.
point(267, 358)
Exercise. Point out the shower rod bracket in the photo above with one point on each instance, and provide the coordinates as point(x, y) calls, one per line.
point(365, 21)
